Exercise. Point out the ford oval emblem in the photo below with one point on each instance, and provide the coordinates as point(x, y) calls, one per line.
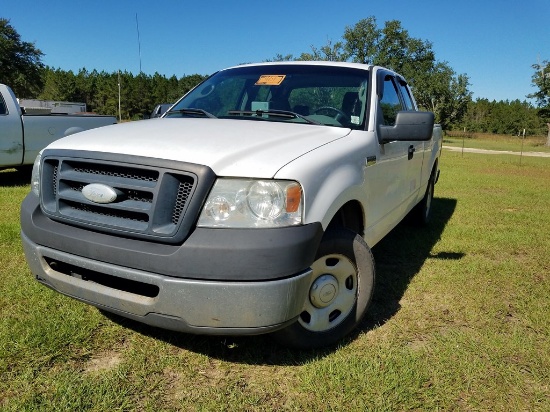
point(99, 193)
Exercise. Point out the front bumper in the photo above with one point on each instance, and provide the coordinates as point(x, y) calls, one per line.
point(221, 281)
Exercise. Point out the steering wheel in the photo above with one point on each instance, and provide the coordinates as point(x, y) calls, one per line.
point(337, 114)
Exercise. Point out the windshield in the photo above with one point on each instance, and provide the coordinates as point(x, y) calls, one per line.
point(328, 95)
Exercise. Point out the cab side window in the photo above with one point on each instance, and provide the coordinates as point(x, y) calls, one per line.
point(3, 108)
point(390, 103)
point(407, 100)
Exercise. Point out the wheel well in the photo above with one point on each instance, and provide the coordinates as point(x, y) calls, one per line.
point(350, 216)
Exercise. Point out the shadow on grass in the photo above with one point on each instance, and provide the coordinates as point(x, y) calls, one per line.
point(399, 257)
point(13, 177)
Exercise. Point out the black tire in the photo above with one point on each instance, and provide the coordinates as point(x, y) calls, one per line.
point(421, 213)
point(344, 271)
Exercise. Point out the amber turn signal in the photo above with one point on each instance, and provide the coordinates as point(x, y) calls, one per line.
point(293, 198)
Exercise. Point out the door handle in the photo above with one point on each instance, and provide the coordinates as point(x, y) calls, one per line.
point(411, 152)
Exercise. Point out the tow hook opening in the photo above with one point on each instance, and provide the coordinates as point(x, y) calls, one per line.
point(113, 282)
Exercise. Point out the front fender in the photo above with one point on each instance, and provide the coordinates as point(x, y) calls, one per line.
point(332, 175)
point(340, 187)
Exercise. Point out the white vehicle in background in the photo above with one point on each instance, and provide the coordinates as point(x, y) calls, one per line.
point(31, 106)
point(22, 136)
point(249, 207)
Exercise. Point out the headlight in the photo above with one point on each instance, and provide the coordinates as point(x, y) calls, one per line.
point(246, 203)
point(35, 176)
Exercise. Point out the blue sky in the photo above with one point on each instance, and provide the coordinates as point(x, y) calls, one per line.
point(494, 42)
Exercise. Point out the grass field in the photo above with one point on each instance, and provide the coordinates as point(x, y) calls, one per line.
point(497, 142)
point(460, 321)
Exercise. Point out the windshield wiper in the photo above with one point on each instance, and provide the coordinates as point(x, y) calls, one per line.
point(279, 113)
point(193, 111)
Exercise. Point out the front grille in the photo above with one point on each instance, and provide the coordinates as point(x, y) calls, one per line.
point(117, 172)
point(184, 191)
point(151, 201)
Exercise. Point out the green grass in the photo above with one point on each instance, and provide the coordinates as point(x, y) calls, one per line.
point(459, 321)
point(497, 142)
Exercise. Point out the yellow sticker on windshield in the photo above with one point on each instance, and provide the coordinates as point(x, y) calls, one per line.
point(270, 79)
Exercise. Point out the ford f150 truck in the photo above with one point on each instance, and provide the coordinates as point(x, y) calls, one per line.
point(23, 136)
point(249, 207)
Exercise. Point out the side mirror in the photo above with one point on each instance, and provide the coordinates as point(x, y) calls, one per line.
point(409, 126)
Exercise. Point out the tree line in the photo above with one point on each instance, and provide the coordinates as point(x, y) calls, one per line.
point(139, 94)
point(501, 117)
point(436, 86)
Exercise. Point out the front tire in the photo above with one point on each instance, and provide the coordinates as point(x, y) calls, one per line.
point(341, 288)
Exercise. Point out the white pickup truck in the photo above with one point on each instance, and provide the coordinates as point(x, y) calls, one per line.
point(23, 136)
point(249, 207)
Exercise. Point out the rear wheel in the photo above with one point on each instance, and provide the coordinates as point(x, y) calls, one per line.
point(340, 292)
point(421, 213)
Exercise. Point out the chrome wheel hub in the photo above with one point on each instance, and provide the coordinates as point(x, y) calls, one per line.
point(323, 291)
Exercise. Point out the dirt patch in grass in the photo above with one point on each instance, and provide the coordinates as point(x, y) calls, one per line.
point(217, 380)
point(103, 361)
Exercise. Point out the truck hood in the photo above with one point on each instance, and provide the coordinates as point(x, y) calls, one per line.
point(228, 147)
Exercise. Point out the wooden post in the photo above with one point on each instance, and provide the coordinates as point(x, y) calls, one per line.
point(521, 153)
point(463, 138)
